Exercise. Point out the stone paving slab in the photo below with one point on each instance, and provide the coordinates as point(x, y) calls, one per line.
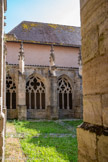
point(59, 135)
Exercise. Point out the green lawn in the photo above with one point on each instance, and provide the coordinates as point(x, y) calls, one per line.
point(48, 141)
point(74, 123)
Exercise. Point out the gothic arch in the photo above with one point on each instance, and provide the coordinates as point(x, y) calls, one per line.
point(35, 92)
point(65, 94)
point(10, 92)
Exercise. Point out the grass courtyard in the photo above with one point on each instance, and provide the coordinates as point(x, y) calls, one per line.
point(48, 141)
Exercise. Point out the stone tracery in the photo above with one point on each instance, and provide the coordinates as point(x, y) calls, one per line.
point(10, 93)
point(64, 93)
point(35, 93)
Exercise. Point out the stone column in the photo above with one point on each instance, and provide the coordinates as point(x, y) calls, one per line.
point(77, 93)
point(2, 115)
point(53, 86)
point(21, 58)
point(22, 109)
point(4, 85)
point(92, 135)
point(53, 99)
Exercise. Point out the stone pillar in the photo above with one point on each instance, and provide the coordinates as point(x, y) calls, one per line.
point(92, 135)
point(80, 63)
point(81, 88)
point(2, 115)
point(22, 109)
point(53, 99)
point(77, 93)
point(21, 58)
point(4, 84)
point(53, 85)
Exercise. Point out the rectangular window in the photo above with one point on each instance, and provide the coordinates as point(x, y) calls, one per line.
point(43, 100)
point(60, 100)
point(27, 100)
point(70, 100)
point(8, 100)
point(32, 100)
point(65, 100)
point(13, 100)
point(38, 100)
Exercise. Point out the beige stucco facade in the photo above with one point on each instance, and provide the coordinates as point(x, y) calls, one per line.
point(37, 54)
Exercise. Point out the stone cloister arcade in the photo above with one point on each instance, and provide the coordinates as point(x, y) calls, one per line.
point(38, 95)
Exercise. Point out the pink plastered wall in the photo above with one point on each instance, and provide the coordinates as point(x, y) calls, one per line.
point(39, 54)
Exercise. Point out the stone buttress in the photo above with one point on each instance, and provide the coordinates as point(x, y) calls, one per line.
point(22, 111)
point(92, 135)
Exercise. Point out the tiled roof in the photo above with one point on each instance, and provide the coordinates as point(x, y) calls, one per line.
point(43, 33)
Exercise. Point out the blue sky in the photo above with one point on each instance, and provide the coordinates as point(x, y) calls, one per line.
point(66, 12)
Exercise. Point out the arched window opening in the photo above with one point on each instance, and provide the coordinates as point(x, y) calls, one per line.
point(35, 93)
point(64, 93)
point(10, 93)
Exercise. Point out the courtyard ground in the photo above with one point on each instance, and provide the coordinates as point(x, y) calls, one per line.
point(41, 141)
point(13, 150)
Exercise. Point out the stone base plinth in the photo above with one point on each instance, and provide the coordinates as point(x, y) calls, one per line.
point(54, 113)
point(92, 143)
point(2, 136)
point(22, 112)
point(5, 119)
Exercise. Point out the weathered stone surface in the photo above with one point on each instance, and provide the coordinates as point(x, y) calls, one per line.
point(12, 113)
point(94, 29)
point(95, 76)
point(105, 109)
point(82, 158)
point(90, 45)
point(93, 15)
point(1, 123)
point(53, 92)
point(86, 145)
point(92, 137)
point(92, 109)
point(103, 48)
point(21, 90)
point(22, 108)
point(82, 3)
point(103, 37)
point(22, 112)
point(1, 145)
point(103, 148)
point(105, 117)
point(103, 27)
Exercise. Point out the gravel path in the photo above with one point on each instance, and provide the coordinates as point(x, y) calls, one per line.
point(13, 151)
